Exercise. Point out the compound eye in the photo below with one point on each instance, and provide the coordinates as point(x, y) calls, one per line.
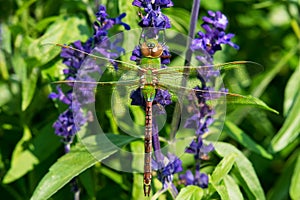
point(145, 50)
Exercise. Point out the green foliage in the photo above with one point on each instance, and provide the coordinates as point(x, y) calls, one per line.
point(259, 158)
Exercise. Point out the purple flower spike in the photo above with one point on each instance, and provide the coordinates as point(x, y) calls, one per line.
point(70, 121)
point(154, 17)
point(199, 149)
point(200, 179)
point(214, 26)
point(216, 19)
point(66, 99)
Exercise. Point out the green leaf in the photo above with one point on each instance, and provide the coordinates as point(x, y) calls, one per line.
point(6, 38)
point(179, 17)
point(22, 160)
point(238, 99)
point(114, 176)
point(291, 91)
point(88, 182)
point(295, 184)
point(223, 168)
point(190, 192)
point(282, 184)
point(232, 188)
point(8, 92)
point(290, 129)
point(75, 162)
point(61, 172)
point(244, 167)
point(28, 87)
point(221, 189)
point(28, 154)
point(132, 17)
point(240, 136)
point(264, 79)
point(58, 32)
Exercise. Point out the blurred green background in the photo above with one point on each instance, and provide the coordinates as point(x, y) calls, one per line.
point(267, 32)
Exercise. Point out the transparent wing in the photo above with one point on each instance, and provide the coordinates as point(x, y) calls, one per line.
point(216, 77)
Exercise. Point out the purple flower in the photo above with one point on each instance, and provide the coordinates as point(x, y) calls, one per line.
point(167, 170)
point(214, 26)
point(199, 149)
point(216, 19)
point(64, 126)
point(107, 23)
point(69, 122)
point(200, 179)
point(154, 17)
point(60, 95)
point(207, 43)
point(157, 3)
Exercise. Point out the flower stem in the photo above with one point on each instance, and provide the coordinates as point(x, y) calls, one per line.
point(193, 23)
point(188, 56)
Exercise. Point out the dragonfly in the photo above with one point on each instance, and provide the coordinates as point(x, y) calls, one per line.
point(150, 78)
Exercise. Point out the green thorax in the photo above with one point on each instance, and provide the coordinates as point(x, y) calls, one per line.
point(150, 62)
point(149, 87)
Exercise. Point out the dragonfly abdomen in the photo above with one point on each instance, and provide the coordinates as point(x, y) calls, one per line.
point(148, 149)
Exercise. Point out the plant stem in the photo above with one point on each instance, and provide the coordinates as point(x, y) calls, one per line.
point(188, 56)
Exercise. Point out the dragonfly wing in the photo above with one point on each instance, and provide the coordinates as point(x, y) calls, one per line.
point(241, 70)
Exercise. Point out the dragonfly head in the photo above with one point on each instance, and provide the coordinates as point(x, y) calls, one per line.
point(151, 48)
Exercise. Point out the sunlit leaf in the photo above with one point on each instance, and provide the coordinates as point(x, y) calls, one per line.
point(75, 162)
point(223, 168)
point(30, 152)
point(29, 87)
point(290, 130)
point(295, 184)
point(292, 89)
point(232, 188)
point(58, 32)
point(190, 192)
point(244, 167)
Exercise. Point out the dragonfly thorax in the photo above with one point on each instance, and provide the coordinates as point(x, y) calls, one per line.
point(148, 76)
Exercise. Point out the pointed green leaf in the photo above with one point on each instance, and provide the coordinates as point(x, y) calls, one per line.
point(236, 133)
point(75, 162)
point(244, 167)
point(30, 152)
point(221, 189)
point(290, 130)
point(295, 184)
point(28, 87)
point(282, 184)
point(22, 160)
point(292, 89)
point(61, 172)
point(58, 32)
point(190, 192)
point(223, 168)
point(232, 188)
point(237, 99)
